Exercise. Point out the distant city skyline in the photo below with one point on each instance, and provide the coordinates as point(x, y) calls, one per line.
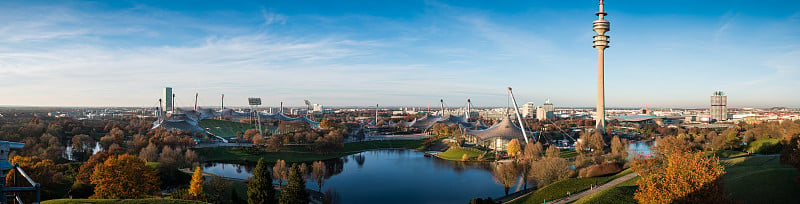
point(404, 53)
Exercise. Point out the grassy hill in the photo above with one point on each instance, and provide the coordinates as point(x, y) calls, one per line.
point(228, 129)
point(620, 193)
point(760, 179)
point(559, 189)
point(122, 201)
point(748, 179)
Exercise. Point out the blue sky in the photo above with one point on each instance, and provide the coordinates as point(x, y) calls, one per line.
point(398, 53)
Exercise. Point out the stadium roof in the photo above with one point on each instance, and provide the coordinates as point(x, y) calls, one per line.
point(504, 129)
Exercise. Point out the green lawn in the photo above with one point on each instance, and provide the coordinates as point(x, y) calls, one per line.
point(621, 193)
point(457, 153)
point(559, 189)
point(725, 153)
point(753, 179)
point(765, 146)
point(760, 179)
point(295, 154)
point(568, 154)
point(228, 129)
point(123, 201)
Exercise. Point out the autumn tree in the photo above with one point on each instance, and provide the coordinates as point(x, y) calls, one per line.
point(274, 144)
point(326, 123)
point(295, 190)
point(533, 151)
point(280, 171)
point(124, 177)
point(196, 185)
point(44, 171)
point(548, 170)
point(687, 177)
point(259, 140)
point(87, 168)
point(678, 173)
point(524, 167)
point(791, 153)
point(506, 174)
point(81, 146)
point(619, 149)
point(596, 143)
point(319, 172)
point(513, 147)
point(250, 133)
point(259, 188)
point(553, 152)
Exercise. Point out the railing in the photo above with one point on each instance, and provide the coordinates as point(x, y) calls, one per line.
point(16, 189)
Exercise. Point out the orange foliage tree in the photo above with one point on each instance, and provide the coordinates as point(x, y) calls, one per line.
point(679, 174)
point(124, 176)
point(196, 186)
point(513, 147)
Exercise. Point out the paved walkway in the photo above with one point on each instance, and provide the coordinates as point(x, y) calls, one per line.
point(610, 184)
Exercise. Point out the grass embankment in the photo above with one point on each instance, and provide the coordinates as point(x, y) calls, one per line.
point(456, 154)
point(243, 155)
point(228, 129)
point(559, 189)
point(620, 193)
point(760, 179)
point(725, 153)
point(765, 146)
point(123, 201)
point(753, 179)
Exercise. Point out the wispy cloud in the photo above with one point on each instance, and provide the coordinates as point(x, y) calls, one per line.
point(272, 17)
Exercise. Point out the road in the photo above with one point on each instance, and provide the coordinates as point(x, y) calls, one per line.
point(610, 184)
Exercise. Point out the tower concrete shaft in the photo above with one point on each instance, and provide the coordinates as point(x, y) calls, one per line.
point(600, 26)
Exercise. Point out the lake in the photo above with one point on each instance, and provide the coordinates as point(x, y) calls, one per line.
point(395, 176)
point(402, 176)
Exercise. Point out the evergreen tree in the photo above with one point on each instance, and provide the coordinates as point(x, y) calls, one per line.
point(295, 190)
point(259, 189)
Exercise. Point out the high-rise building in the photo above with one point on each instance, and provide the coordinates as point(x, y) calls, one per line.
point(528, 110)
point(317, 108)
point(600, 26)
point(548, 106)
point(167, 106)
point(545, 111)
point(719, 106)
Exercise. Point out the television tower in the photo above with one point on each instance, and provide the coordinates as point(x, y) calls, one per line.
point(600, 26)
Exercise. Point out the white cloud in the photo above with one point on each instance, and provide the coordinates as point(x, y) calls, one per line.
point(272, 17)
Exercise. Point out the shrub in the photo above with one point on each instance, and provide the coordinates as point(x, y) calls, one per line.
point(604, 169)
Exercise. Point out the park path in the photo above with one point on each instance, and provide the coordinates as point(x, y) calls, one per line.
point(610, 184)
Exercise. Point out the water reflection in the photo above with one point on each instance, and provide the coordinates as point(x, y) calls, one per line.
point(395, 176)
point(72, 155)
point(640, 148)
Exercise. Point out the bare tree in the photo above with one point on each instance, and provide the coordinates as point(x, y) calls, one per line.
point(506, 175)
point(280, 171)
point(319, 172)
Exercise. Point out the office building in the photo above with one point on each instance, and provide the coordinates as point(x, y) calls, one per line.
point(719, 106)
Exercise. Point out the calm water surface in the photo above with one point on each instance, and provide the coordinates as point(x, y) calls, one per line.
point(403, 176)
point(640, 148)
point(395, 176)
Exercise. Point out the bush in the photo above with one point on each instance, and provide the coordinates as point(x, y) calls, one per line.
point(604, 169)
point(765, 146)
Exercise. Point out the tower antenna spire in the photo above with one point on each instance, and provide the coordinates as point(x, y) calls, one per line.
point(600, 26)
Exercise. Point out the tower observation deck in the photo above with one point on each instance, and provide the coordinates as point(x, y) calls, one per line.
point(600, 26)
